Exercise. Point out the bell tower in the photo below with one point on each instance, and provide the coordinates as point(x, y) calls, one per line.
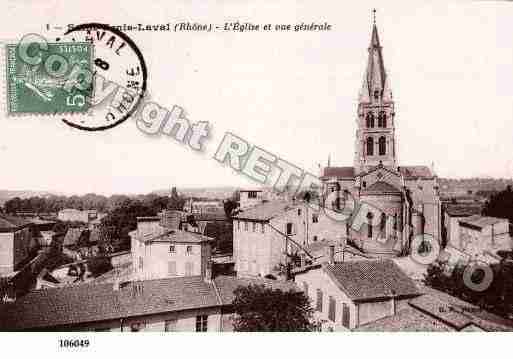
point(375, 134)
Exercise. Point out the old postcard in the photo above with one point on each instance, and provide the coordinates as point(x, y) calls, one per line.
point(288, 166)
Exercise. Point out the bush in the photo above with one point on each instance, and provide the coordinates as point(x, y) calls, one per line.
point(99, 265)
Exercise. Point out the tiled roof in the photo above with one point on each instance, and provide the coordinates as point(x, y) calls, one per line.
point(485, 320)
point(415, 171)
point(438, 311)
point(406, 320)
point(381, 187)
point(177, 236)
point(371, 279)
point(93, 302)
point(339, 172)
point(441, 311)
point(226, 286)
point(53, 307)
point(11, 223)
point(211, 216)
point(318, 249)
point(459, 210)
point(481, 221)
point(265, 211)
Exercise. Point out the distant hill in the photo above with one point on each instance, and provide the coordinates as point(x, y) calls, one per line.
point(6, 195)
point(472, 186)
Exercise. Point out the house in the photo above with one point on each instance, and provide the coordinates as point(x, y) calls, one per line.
point(263, 235)
point(160, 252)
point(167, 304)
point(347, 295)
point(76, 215)
point(249, 198)
point(436, 311)
point(204, 207)
point(267, 235)
point(16, 243)
point(482, 236)
point(453, 213)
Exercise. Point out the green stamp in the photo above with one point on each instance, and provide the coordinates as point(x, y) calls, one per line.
point(59, 83)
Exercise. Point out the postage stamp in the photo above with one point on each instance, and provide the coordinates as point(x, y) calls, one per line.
point(42, 87)
point(119, 76)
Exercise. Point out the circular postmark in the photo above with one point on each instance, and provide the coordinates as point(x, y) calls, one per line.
point(119, 76)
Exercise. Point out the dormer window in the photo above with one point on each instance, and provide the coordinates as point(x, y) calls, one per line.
point(376, 94)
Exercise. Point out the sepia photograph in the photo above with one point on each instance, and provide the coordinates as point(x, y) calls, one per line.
point(255, 166)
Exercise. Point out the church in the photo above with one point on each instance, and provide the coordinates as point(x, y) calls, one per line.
point(400, 201)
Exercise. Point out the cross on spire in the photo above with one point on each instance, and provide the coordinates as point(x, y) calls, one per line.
point(374, 16)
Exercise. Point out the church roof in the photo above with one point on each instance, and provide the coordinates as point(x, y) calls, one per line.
point(406, 171)
point(339, 172)
point(415, 171)
point(375, 75)
point(381, 187)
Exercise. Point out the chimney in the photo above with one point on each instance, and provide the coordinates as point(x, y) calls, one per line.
point(330, 254)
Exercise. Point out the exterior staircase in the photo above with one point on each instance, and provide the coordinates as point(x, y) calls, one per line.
point(377, 249)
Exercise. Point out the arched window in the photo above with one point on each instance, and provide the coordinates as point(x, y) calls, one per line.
point(370, 120)
point(369, 224)
point(370, 146)
point(382, 144)
point(382, 119)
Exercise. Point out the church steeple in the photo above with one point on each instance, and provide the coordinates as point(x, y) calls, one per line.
point(375, 82)
point(375, 136)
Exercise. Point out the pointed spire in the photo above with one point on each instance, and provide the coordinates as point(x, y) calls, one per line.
point(375, 80)
point(329, 160)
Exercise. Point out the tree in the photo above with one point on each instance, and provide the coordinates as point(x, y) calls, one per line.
point(121, 220)
point(229, 207)
point(497, 297)
point(260, 308)
point(500, 205)
point(99, 265)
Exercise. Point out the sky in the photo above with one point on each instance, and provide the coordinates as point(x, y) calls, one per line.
point(293, 94)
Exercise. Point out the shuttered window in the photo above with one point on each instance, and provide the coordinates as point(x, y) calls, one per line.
point(332, 309)
point(345, 315)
